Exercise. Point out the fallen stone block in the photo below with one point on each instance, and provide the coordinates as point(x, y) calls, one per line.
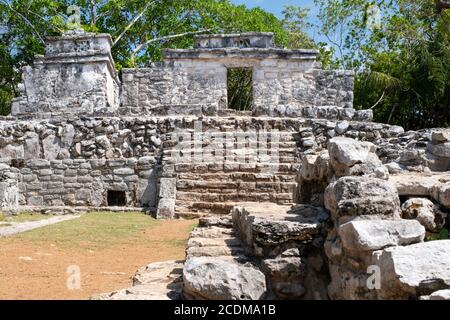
point(211, 278)
point(356, 196)
point(348, 152)
point(412, 271)
point(426, 212)
point(369, 235)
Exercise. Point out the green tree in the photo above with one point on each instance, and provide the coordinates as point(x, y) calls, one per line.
point(402, 64)
point(140, 29)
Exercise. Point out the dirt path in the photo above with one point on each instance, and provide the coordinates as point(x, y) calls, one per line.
point(17, 227)
point(39, 271)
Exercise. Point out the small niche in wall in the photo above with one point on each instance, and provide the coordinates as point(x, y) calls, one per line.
point(17, 163)
point(240, 88)
point(116, 198)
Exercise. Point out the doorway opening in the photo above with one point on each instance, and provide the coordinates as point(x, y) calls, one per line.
point(240, 88)
point(116, 198)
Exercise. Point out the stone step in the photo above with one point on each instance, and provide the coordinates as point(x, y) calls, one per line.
point(231, 144)
point(279, 198)
point(230, 241)
point(194, 210)
point(238, 168)
point(282, 133)
point(252, 159)
point(190, 215)
point(230, 186)
point(212, 232)
point(239, 176)
point(244, 153)
point(156, 281)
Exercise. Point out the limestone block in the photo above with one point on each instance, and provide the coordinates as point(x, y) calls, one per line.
point(410, 271)
point(9, 194)
point(426, 212)
point(167, 188)
point(166, 208)
point(348, 152)
point(440, 136)
point(354, 196)
point(31, 146)
point(52, 146)
point(440, 150)
point(341, 127)
point(363, 115)
point(146, 192)
point(12, 151)
point(219, 279)
point(369, 235)
point(440, 295)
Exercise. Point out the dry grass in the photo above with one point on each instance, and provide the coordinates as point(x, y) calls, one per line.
point(108, 247)
point(93, 230)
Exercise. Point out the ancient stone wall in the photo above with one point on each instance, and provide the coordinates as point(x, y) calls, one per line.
point(186, 87)
point(280, 88)
point(75, 76)
point(79, 182)
point(82, 138)
point(293, 88)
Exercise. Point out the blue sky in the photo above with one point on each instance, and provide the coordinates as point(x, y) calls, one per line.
point(276, 6)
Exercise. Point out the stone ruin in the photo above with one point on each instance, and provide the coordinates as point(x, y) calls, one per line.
point(301, 197)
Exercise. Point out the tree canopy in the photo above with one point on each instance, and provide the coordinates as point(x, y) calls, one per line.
point(139, 29)
point(399, 49)
point(400, 53)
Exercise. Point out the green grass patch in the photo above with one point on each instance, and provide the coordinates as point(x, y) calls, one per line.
point(442, 235)
point(24, 216)
point(192, 227)
point(93, 230)
point(180, 242)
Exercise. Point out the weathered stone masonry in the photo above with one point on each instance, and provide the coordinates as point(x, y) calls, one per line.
point(327, 192)
point(77, 115)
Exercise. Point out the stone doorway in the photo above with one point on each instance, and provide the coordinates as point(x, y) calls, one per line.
point(240, 88)
point(116, 198)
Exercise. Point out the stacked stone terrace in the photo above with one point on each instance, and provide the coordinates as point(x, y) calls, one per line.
point(311, 193)
point(78, 133)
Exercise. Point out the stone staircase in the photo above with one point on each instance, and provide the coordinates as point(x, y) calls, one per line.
point(214, 187)
point(260, 251)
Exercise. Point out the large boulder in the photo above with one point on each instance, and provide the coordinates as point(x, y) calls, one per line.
point(435, 185)
point(349, 157)
point(441, 193)
point(286, 276)
point(426, 212)
point(213, 278)
point(347, 151)
point(369, 235)
point(356, 196)
point(412, 271)
point(315, 167)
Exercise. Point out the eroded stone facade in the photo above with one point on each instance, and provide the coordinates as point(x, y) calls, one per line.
point(328, 194)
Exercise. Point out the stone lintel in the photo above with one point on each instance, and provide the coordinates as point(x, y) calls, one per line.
point(240, 53)
point(237, 40)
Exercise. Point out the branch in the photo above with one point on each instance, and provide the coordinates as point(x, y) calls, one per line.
point(136, 18)
point(379, 100)
point(142, 45)
point(92, 9)
point(43, 19)
point(25, 19)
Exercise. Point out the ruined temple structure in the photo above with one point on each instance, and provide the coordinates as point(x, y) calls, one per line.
point(299, 195)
